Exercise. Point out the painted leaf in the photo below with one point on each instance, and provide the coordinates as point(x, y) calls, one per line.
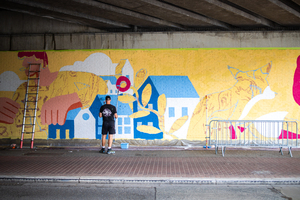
point(139, 114)
point(178, 124)
point(126, 98)
point(146, 95)
point(148, 129)
point(161, 104)
point(119, 67)
point(140, 77)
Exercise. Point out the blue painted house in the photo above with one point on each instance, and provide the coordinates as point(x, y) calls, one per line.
point(181, 100)
point(65, 131)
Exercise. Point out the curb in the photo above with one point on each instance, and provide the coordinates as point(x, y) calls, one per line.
point(120, 180)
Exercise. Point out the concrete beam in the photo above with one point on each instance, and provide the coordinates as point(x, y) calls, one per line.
point(68, 12)
point(285, 7)
point(232, 9)
point(187, 13)
point(296, 1)
point(66, 21)
point(122, 11)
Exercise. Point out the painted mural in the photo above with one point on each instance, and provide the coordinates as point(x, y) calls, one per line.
point(160, 94)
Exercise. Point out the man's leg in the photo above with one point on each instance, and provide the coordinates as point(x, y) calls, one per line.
point(104, 140)
point(103, 144)
point(111, 131)
point(110, 140)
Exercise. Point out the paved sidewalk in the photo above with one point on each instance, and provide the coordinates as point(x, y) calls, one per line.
point(150, 165)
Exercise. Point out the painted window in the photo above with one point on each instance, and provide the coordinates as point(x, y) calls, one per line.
point(111, 91)
point(184, 111)
point(171, 112)
point(127, 120)
point(116, 91)
point(139, 124)
point(85, 116)
point(119, 121)
point(150, 106)
point(120, 130)
point(150, 123)
point(127, 130)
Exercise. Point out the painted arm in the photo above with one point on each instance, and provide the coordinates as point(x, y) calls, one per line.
point(55, 110)
point(296, 86)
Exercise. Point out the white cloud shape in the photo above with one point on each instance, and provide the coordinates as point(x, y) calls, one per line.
point(97, 63)
point(10, 81)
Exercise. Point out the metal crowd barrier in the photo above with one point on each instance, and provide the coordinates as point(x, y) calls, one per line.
point(253, 133)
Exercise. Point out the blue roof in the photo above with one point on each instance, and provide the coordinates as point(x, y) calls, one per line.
point(112, 79)
point(174, 86)
point(73, 113)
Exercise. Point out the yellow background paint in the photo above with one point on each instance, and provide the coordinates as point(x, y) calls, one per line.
point(207, 69)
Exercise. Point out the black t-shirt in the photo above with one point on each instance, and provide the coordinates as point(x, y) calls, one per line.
point(108, 112)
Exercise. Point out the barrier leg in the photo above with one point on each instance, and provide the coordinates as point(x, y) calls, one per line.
point(216, 149)
point(223, 151)
point(290, 151)
point(280, 151)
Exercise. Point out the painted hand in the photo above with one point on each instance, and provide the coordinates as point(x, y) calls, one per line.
point(8, 110)
point(55, 110)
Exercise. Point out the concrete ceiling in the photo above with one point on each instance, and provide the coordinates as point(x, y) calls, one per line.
point(166, 15)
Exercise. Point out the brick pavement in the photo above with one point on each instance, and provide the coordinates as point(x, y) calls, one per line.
point(140, 163)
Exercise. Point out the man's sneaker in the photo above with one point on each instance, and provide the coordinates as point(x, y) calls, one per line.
point(102, 150)
point(109, 151)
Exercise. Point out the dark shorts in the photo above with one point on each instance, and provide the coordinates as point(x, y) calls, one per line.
point(108, 126)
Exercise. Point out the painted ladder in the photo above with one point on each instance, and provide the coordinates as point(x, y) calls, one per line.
point(30, 108)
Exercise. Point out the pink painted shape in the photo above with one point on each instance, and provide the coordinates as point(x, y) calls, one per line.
point(290, 135)
point(118, 84)
point(296, 86)
point(232, 132)
point(242, 129)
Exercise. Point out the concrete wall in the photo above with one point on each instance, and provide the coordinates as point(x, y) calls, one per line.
point(207, 69)
point(149, 40)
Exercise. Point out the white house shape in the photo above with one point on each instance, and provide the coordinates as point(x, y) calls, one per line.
point(84, 125)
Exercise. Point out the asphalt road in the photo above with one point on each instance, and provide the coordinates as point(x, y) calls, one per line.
point(45, 191)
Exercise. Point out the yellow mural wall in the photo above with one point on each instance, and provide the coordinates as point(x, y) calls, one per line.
point(229, 77)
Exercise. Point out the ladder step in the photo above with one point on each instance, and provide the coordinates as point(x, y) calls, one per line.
point(33, 78)
point(34, 71)
point(30, 116)
point(30, 101)
point(28, 132)
point(30, 108)
point(33, 86)
point(28, 124)
point(32, 93)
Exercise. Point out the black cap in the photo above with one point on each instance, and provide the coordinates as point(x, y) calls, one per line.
point(107, 98)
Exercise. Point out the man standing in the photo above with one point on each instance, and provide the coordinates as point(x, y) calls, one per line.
point(108, 112)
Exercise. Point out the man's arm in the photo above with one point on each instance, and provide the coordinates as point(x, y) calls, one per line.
point(116, 115)
point(100, 114)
